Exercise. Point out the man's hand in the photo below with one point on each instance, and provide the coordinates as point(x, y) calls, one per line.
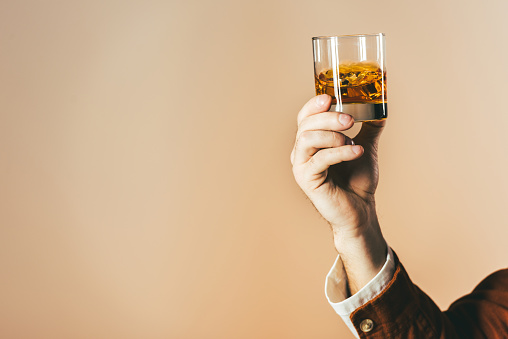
point(340, 177)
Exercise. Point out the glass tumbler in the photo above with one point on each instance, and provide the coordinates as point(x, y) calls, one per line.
point(351, 68)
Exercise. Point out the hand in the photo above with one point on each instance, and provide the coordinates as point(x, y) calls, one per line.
point(339, 175)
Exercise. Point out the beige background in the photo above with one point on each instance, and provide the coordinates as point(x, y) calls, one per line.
point(145, 183)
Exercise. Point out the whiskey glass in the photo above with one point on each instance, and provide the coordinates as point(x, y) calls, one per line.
point(351, 68)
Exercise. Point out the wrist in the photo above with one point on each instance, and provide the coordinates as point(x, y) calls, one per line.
point(360, 222)
point(368, 244)
point(363, 253)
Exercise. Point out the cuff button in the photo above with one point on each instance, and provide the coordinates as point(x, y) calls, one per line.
point(366, 325)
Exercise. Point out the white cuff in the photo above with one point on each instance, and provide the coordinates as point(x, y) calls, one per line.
point(336, 288)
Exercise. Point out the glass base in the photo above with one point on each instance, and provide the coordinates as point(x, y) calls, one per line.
point(363, 112)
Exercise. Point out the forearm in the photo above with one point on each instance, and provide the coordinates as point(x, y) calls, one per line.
point(362, 251)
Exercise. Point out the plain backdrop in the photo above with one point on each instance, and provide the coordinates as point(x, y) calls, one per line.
point(145, 183)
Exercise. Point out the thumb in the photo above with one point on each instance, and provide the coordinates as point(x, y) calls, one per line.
point(370, 133)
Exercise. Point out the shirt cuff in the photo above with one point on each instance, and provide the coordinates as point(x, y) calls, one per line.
point(337, 294)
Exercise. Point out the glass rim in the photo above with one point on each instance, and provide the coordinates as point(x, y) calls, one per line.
point(347, 36)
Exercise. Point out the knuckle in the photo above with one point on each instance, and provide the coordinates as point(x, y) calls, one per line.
point(299, 118)
point(301, 129)
point(308, 124)
point(318, 157)
point(298, 174)
point(303, 112)
point(305, 137)
point(312, 161)
point(302, 123)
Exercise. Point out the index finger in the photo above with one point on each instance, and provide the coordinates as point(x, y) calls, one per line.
point(318, 104)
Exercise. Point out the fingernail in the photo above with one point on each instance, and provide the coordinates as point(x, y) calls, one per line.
point(356, 149)
point(344, 119)
point(321, 100)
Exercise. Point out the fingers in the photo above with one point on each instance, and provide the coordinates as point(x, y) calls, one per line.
point(332, 121)
point(326, 121)
point(310, 142)
point(317, 104)
point(332, 156)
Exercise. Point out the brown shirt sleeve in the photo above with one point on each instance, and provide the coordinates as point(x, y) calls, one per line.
point(402, 310)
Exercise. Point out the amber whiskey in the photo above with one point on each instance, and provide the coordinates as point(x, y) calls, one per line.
point(361, 89)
